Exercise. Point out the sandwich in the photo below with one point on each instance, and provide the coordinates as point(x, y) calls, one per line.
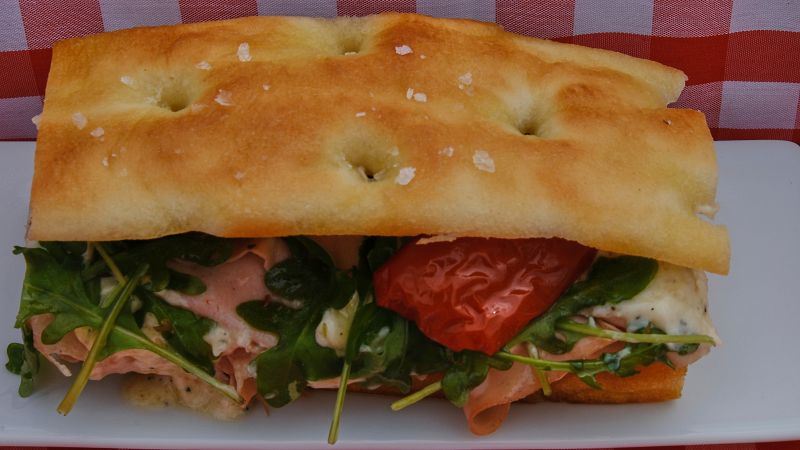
point(248, 210)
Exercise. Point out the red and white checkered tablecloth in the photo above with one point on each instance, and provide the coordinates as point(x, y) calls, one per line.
point(742, 56)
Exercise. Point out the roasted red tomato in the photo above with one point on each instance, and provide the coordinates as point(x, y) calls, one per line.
point(477, 293)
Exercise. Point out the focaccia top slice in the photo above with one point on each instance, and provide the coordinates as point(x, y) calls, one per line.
point(393, 124)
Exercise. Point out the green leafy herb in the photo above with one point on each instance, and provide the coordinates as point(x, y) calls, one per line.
point(469, 369)
point(56, 286)
point(284, 370)
point(100, 341)
point(182, 329)
point(610, 281)
point(639, 337)
point(622, 363)
point(23, 360)
point(466, 370)
point(310, 277)
point(198, 248)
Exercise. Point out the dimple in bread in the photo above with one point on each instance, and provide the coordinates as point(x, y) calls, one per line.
point(386, 125)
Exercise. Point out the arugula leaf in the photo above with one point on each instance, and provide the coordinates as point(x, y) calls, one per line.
point(468, 370)
point(68, 254)
point(310, 273)
point(184, 330)
point(623, 363)
point(185, 283)
point(374, 252)
point(310, 277)
point(422, 356)
point(100, 339)
point(610, 281)
point(197, 248)
point(52, 287)
point(283, 370)
point(378, 338)
point(23, 360)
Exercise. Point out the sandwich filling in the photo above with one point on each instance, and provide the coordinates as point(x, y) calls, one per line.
point(483, 322)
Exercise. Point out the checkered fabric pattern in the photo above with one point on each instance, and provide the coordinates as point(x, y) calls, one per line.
point(742, 56)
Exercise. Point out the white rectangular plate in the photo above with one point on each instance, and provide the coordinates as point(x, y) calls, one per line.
point(747, 390)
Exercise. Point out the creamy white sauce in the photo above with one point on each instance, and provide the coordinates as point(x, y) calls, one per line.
point(334, 327)
point(676, 301)
point(218, 338)
point(107, 284)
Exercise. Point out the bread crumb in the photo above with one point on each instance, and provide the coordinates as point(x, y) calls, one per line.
point(405, 175)
point(465, 83)
point(265, 87)
point(126, 80)
point(465, 80)
point(483, 161)
point(239, 175)
point(223, 98)
point(243, 52)
point(203, 65)
point(350, 53)
point(422, 56)
point(98, 132)
point(447, 151)
point(403, 50)
point(79, 120)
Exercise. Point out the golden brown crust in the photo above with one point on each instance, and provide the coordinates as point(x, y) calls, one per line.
point(609, 166)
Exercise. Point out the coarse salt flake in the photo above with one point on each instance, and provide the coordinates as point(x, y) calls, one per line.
point(422, 56)
point(105, 161)
point(420, 97)
point(447, 151)
point(98, 132)
point(126, 80)
point(36, 120)
point(483, 161)
point(361, 114)
point(79, 120)
point(224, 98)
point(409, 93)
point(405, 175)
point(465, 79)
point(203, 65)
point(243, 52)
point(265, 87)
point(403, 50)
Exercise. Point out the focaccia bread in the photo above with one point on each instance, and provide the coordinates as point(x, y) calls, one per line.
point(393, 124)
